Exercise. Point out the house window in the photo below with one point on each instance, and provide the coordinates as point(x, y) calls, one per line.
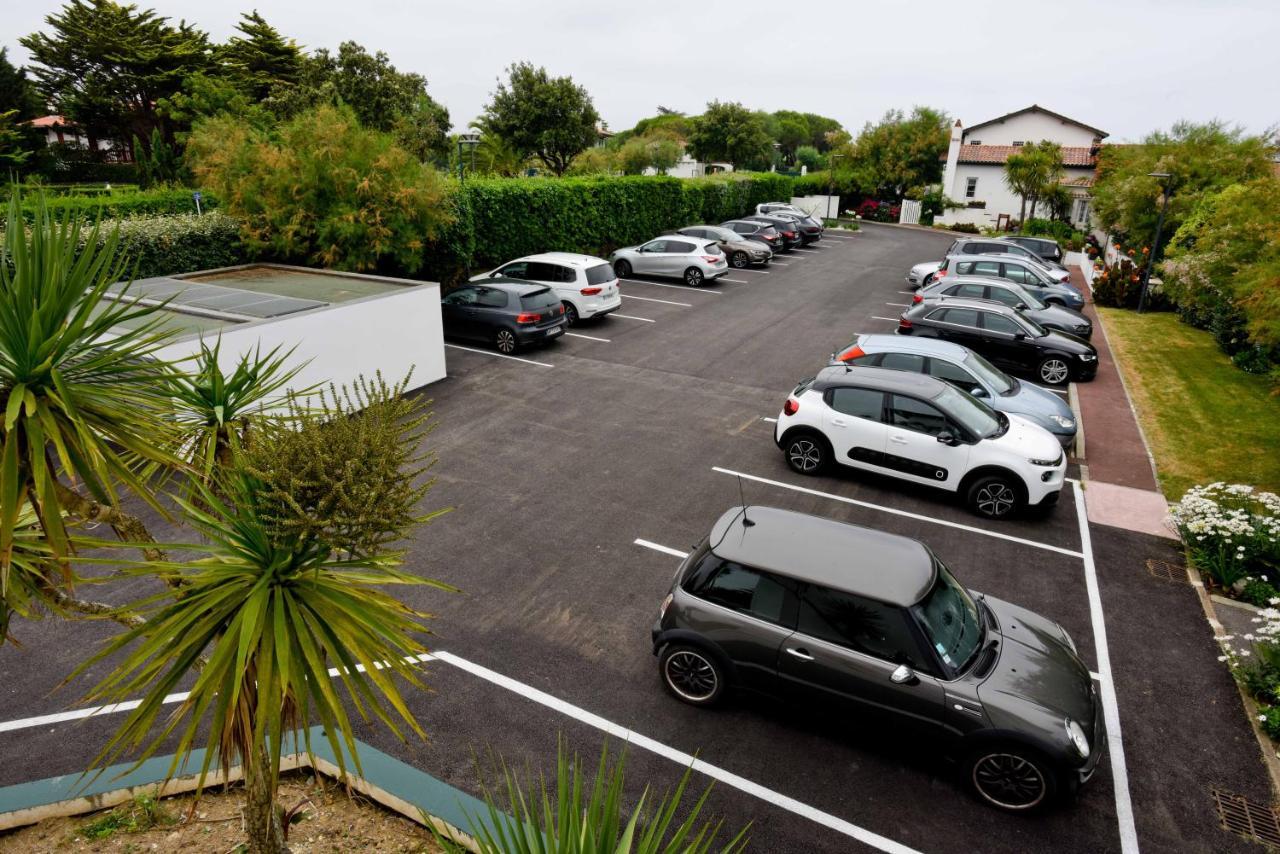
point(975, 142)
point(971, 188)
point(1082, 210)
point(1017, 143)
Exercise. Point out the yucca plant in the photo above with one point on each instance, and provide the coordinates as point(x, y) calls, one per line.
point(81, 393)
point(215, 410)
point(581, 821)
point(271, 614)
point(24, 584)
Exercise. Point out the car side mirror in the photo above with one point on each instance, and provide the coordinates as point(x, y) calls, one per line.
point(948, 438)
point(1019, 336)
point(978, 391)
point(902, 675)
point(1022, 306)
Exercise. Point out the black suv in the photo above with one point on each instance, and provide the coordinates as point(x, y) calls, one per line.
point(816, 610)
point(1045, 247)
point(761, 231)
point(1005, 336)
point(792, 232)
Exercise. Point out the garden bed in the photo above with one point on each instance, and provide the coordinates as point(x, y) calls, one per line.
point(330, 821)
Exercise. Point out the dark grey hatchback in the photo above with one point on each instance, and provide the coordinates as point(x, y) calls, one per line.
point(808, 608)
point(508, 313)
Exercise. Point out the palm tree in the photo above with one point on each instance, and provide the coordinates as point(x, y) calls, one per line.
point(1031, 173)
point(82, 395)
point(272, 614)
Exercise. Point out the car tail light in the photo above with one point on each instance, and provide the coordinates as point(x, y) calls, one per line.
point(590, 292)
point(917, 298)
point(903, 323)
point(710, 259)
point(788, 234)
point(528, 317)
point(850, 354)
point(791, 407)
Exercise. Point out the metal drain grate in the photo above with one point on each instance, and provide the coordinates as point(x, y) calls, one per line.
point(1247, 818)
point(1166, 571)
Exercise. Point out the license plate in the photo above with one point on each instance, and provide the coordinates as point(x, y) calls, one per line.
point(551, 333)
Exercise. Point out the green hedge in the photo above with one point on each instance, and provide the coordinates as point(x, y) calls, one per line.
point(503, 218)
point(121, 205)
point(162, 246)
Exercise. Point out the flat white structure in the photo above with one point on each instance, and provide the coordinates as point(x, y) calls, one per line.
point(341, 325)
point(687, 167)
point(974, 173)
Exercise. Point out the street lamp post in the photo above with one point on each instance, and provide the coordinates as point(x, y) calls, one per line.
point(1155, 246)
point(470, 139)
point(831, 183)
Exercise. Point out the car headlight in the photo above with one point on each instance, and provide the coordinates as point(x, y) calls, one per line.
point(1062, 421)
point(1087, 357)
point(1044, 463)
point(1078, 739)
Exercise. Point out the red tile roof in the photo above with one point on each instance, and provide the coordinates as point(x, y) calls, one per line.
point(997, 154)
point(1082, 181)
point(50, 121)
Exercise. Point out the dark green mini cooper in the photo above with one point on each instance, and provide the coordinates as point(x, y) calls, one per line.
point(803, 607)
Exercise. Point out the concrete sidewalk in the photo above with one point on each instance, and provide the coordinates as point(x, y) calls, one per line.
point(1120, 487)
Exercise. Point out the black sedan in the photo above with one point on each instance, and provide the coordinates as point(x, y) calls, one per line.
point(507, 313)
point(1005, 336)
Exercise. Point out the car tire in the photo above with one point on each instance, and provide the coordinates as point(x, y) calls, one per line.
point(1010, 777)
point(622, 268)
point(692, 675)
point(1054, 370)
point(570, 314)
point(807, 453)
point(995, 496)
point(505, 341)
point(740, 260)
point(693, 277)
point(926, 281)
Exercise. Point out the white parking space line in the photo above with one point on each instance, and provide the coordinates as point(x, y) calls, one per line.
point(753, 270)
point(1097, 676)
point(802, 249)
point(588, 337)
point(663, 301)
point(739, 281)
point(1110, 710)
point(1061, 391)
point(840, 236)
point(666, 550)
point(681, 758)
point(500, 356)
point(770, 420)
point(908, 293)
point(899, 304)
point(896, 512)
point(631, 317)
point(779, 264)
point(677, 287)
point(890, 319)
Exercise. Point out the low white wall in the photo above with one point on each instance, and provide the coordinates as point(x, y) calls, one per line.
point(821, 206)
point(390, 333)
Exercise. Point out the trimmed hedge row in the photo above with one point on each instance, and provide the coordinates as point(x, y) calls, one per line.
point(503, 218)
point(124, 205)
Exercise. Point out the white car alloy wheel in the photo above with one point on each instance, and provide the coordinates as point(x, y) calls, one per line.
point(1054, 370)
point(805, 454)
point(996, 498)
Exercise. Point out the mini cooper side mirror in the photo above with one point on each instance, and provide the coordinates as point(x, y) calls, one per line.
point(902, 675)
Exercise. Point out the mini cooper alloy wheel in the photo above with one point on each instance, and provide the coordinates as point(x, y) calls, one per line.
point(691, 676)
point(1009, 781)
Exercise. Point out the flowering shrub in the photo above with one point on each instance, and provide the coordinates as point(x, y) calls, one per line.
point(1230, 532)
point(879, 211)
point(1259, 674)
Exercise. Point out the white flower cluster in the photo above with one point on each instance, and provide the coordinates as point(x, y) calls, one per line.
point(1228, 528)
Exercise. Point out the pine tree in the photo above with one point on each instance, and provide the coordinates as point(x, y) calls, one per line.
point(261, 59)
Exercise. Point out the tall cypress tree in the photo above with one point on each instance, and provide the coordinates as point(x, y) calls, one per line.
point(261, 58)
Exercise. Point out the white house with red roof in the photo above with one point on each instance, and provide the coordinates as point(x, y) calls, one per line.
point(59, 131)
point(974, 174)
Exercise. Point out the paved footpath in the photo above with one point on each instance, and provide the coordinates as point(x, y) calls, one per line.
point(1121, 488)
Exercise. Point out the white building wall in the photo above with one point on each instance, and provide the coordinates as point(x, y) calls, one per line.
point(1030, 127)
point(992, 190)
point(390, 333)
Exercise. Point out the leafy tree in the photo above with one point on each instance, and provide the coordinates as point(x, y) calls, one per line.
point(809, 157)
point(19, 104)
point(204, 95)
point(729, 132)
point(672, 124)
point(550, 117)
point(1202, 159)
point(655, 150)
point(494, 155)
point(106, 67)
point(820, 129)
point(322, 189)
point(13, 156)
point(1033, 172)
point(595, 161)
point(901, 151)
point(792, 131)
point(260, 59)
point(424, 130)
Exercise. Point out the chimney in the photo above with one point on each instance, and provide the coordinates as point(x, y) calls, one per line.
point(953, 157)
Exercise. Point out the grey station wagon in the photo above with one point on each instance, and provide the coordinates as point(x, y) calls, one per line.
point(811, 609)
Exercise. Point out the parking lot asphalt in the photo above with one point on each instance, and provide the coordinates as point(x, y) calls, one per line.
point(556, 463)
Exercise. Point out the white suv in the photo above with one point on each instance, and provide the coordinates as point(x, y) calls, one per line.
point(586, 285)
point(924, 430)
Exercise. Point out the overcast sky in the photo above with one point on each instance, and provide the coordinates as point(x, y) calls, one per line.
point(1127, 66)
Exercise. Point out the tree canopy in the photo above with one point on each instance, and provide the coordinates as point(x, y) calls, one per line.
point(551, 118)
point(900, 152)
point(1033, 172)
point(260, 58)
point(729, 132)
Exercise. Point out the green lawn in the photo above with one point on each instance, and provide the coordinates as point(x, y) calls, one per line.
point(1206, 420)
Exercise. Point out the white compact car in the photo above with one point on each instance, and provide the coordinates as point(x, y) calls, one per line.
point(924, 430)
point(922, 273)
point(586, 285)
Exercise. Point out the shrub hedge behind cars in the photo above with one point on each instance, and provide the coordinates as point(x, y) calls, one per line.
point(120, 205)
point(497, 219)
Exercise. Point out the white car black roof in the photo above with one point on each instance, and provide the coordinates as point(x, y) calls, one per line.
point(875, 564)
point(884, 379)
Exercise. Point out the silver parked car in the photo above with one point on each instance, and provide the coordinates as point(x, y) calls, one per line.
point(674, 256)
point(967, 370)
point(1025, 272)
point(922, 274)
point(740, 251)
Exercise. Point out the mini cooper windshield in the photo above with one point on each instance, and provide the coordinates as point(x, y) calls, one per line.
point(951, 621)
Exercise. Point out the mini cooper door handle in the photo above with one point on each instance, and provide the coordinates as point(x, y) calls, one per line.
point(801, 654)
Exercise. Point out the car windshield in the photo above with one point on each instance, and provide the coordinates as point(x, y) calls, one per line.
point(970, 413)
point(989, 374)
point(539, 299)
point(1036, 330)
point(599, 274)
point(722, 233)
point(950, 620)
